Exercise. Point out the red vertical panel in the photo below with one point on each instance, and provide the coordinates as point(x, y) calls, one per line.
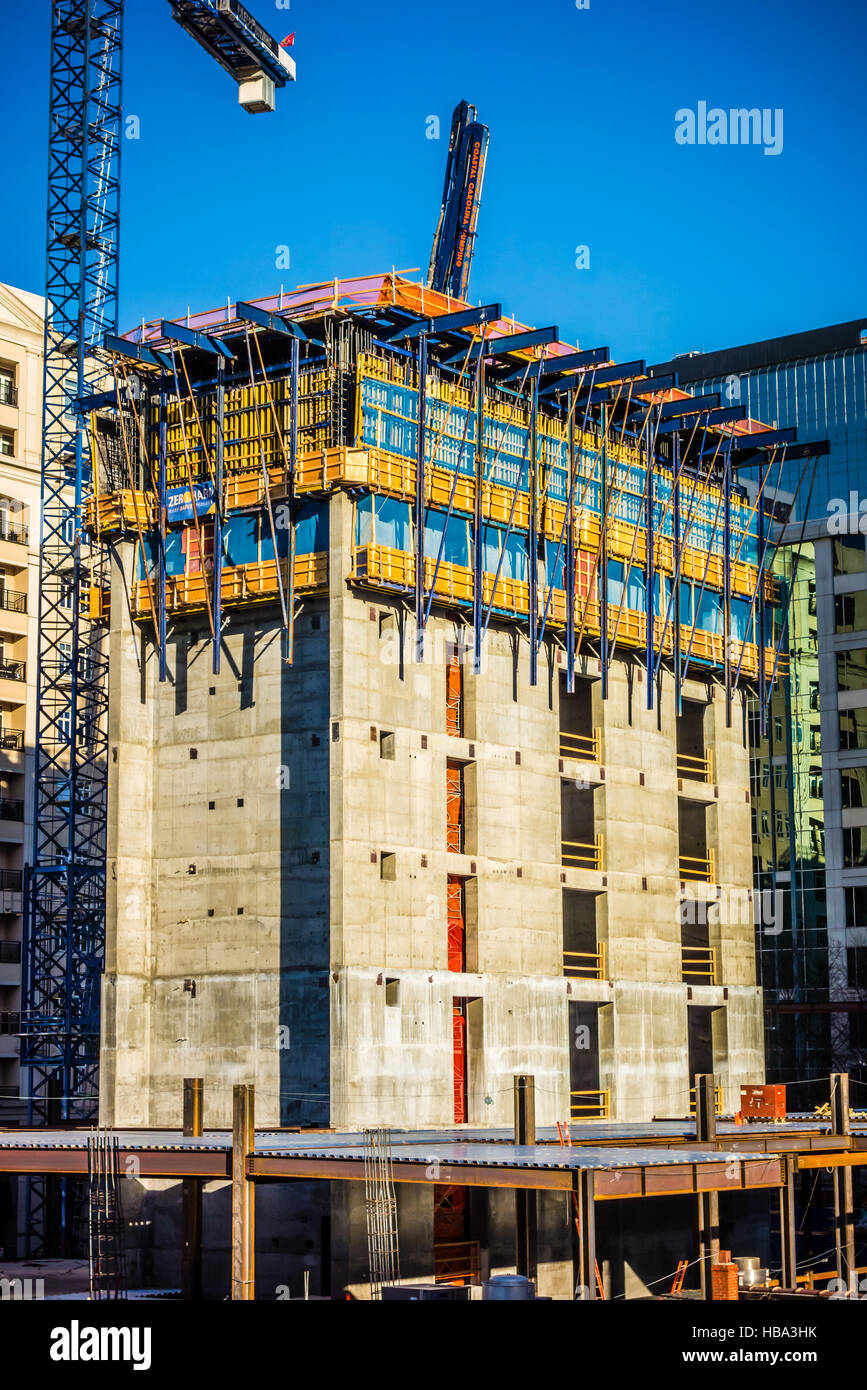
point(456, 924)
point(454, 694)
point(454, 808)
point(459, 1034)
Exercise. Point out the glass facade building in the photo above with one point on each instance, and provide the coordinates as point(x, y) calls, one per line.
point(815, 381)
point(809, 768)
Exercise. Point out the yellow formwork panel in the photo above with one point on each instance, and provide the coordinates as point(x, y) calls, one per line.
point(239, 584)
point(379, 564)
point(119, 511)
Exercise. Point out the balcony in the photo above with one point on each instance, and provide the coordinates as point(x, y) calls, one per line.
point(11, 740)
point(11, 880)
point(583, 747)
point(12, 601)
point(15, 535)
point(13, 670)
point(585, 965)
point(695, 768)
point(8, 392)
point(11, 810)
point(699, 965)
point(589, 1105)
point(582, 855)
point(10, 1025)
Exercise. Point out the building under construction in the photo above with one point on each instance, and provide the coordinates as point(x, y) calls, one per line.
point(430, 639)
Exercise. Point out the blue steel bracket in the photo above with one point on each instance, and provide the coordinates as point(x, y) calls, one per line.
point(625, 371)
point(512, 342)
point(465, 318)
point(101, 400)
point(445, 323)
point(263, 318)
point(763, 439)
point(136, 352)
point(695, 405)
point(725, 415)
point(191, 337)
point(575, 361)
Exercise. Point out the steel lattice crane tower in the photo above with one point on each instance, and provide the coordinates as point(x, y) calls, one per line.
point(65, 909)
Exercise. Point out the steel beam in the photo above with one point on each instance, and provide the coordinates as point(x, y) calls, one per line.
point(511, 342)
point(191, 337)
point(191, 1198)
point(525, 1201)
point(243, 1194)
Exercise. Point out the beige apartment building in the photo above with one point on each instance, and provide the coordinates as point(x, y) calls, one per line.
point(21, 353)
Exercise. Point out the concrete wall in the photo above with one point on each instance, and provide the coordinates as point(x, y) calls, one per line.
point(256, 942)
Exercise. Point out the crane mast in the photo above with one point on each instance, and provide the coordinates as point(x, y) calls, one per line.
point(64, 946)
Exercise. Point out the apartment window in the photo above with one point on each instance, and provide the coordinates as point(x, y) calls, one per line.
point(849, 555)
point(778, 728)
point(779, 825)
point(779, 776)
point(816, 786)
point(8, 394)
point(766, 774)
point(766, 823)
point(853, 788)
point(814, 695)
point(815, 739)
point(856, 906)
point(850, 611)
point(856, 960)
point(7, 443)
point(854, 846)
point(853, 728)
point(852, 669)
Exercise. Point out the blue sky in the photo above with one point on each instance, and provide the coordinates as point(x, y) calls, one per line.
point(690, 246)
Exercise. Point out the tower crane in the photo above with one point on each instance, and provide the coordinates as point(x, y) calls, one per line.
point(65, 881)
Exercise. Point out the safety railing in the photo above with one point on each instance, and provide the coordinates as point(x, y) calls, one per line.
point(699, 964)
point(10, 1024)
point(457, 1262)
point(13, 670)
point(11, 880)
point(585, 965)
point(589, 1105)
point(698, 769)
point(696, 869)
point(11, 810)
point(585, 748)
point(240, 584)
point(11, 739)
point(717, 1099)
point(18, 535)
point(12, 601)
point(581, 855)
